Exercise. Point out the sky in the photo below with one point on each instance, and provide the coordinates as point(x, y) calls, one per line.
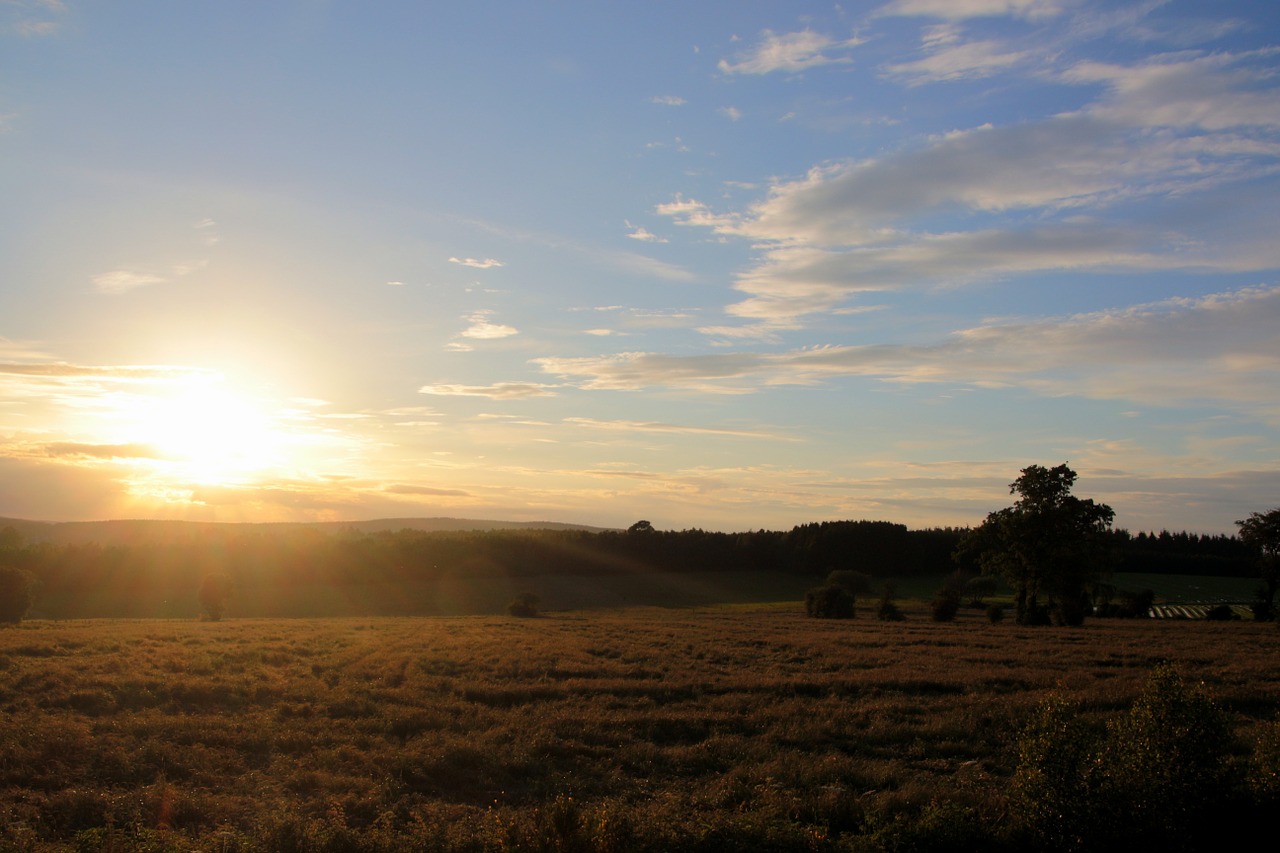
point(720, 265)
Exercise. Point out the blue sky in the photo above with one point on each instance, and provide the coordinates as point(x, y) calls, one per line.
point(730, 265)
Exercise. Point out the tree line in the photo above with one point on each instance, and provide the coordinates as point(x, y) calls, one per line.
point(305, 571)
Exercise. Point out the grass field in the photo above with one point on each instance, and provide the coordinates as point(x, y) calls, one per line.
point(727, 728)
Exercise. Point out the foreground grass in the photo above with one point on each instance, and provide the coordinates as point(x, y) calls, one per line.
point(750, 728)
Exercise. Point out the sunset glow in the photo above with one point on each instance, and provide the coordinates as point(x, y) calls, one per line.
point(728, 266)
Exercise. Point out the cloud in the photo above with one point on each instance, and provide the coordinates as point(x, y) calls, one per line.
point(965, 61)
point(790, 52)
point(100, 451)
point(639, 232)
point(33, 18)
point(960, 9)
point(655, 426)
point(668, 100)
point(123, 281)
point(731, 113)
point(475, 263)
point(122, 373)
point(426, 491)
point(1224, 348)
point(497, 391)
point(1193, 133)
point(1213, 92)
point(482, 329)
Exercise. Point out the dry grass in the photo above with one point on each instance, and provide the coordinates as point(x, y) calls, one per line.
point(636, 729)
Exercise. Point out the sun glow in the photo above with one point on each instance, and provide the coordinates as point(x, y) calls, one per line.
point(209, 435)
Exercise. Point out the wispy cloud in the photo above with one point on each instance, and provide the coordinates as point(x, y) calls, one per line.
point(1059, 193)
point(123, 281)
point(34, 18)
point(1222, 348)
point(956, 10)
point(482, 329)
point(655, 426)
point(121, 373)
point(790, 52)
point(497, 391)
point(668, 100)
point(962, 61)
point(425, 491)
point(476, 263)
point(100, 451)
point(639, 232)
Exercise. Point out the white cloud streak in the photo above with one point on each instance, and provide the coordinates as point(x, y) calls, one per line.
point(482, 329)
point(1196, 133)
point(789, 52)
point(956, 10)
point(1223, 348)
point(477, 263)
point(497, 391)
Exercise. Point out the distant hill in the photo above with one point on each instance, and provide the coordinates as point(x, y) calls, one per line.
point(137, 531)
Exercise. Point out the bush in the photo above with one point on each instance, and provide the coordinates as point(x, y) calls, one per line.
point(1136, 603)
point(17, 593)
point(978, 588)
point(945, 607)
point(1157, 777)
point(888, 611)
point(1221, 613)
point(525, 605)
point(215, 589)
point(829, 602)
point(857, 583)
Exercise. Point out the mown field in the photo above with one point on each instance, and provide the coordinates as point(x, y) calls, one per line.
point(749, 727)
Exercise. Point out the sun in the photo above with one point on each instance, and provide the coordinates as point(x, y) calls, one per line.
point(212, 436)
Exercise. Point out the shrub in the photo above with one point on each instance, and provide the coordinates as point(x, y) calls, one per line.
point(525, 605)
point(1165, 766)
point(978, 588)
point(1156, 777)
point(945, 606)
point(17, 593)
point(888, 611)
point(215, 589)
point(1263, 611)
point(1264, 770)
point(1136, 603)
point(829, 602)
point(1220, 613)
point(857, 583)
point(1070, 610)
point(1051, 795)
point(995, 614)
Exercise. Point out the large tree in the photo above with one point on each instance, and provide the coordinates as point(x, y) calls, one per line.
point(1049, 545)
point(1261, 532)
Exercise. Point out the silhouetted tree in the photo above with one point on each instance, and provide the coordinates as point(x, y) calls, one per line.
point(525, 605)
point(978, 588)
point(1048, 545)
point(215, 589)
point(17, 593)
point(1261, 532)
point(888, 611)
point(832, 601)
